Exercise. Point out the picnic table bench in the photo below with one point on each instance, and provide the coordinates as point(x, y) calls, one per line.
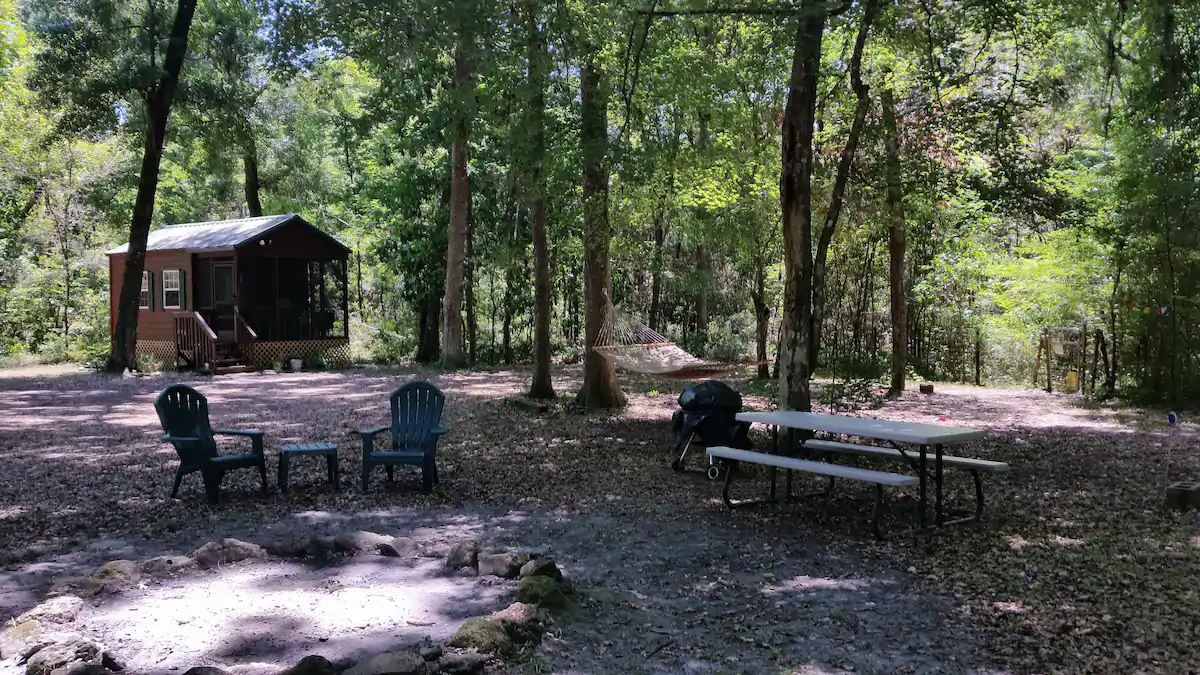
point(929, 439)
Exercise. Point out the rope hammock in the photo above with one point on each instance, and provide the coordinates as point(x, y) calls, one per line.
point(634, 346)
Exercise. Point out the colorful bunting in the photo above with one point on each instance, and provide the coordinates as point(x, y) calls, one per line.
point(1150, 309)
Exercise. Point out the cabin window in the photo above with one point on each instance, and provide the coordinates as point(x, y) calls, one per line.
point(172, 289)
point(144, 297)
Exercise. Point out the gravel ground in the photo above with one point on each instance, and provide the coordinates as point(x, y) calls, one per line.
point(689, 595)
point(1077, 568)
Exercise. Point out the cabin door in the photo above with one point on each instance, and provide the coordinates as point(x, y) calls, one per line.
point(223, 300)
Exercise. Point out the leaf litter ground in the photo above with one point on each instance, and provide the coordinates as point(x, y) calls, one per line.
point(1078, 568)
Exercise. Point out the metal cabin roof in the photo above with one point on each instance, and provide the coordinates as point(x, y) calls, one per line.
point(216, 234)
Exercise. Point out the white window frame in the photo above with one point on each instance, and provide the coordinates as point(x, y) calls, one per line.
point(168, 288)
point(145, 292)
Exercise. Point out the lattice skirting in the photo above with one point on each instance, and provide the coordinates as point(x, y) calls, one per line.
point(334, 352)
point(161, 350)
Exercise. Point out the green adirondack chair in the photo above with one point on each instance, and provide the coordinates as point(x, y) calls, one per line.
point(415, 430)
point(183, 412)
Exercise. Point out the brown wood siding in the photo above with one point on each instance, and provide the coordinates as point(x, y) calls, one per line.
point(156, 323)
point(294, 240)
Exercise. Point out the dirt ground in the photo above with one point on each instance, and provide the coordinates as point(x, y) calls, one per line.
point(1077, 568)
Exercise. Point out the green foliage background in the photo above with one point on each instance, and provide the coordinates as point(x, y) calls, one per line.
point(1048, 152)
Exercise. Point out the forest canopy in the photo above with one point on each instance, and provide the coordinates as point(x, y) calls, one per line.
point(883, 191)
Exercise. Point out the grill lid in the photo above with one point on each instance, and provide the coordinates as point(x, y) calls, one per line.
point(710, 395)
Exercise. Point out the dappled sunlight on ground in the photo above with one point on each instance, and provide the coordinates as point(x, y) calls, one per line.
point(807, 583)
point(236, 611)
point(1073, 533)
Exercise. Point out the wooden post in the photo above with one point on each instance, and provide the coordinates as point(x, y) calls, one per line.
point(237, 287)
point(1049, 365)
point(278, 328)
point(346, 297)
point(1083, 338)
point(1037, 363)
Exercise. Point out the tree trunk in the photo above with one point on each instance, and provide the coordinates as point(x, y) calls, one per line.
point(460, 201)
point(542, 385)
point(896, 244)
point(250, 162)
point(837, 197)
point(702, 267)
point(158, 108)
point(510, 284)
point(469, 293)
point(762, 318)
point(979, 358)
point(427, 333)
point(600, 386)
point(67, 297)
point(795, 196)
point(656, 270)
point(1110, 375)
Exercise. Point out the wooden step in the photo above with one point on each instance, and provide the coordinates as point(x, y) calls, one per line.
point(231, 369)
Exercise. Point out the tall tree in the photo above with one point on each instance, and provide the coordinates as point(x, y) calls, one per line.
point(460, 201)
point(600, 386)
point(84, 66)
point(804, 286)
point(896, 243)
point(542, 386)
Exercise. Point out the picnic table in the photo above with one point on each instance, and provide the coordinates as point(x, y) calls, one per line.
point(929, 440)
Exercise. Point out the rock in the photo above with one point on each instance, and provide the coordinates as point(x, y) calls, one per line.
point(286, 548)
point(522, 621)
point(541, 567)
point(118, 569)
point(398, 547)
point(69, 648)
point(110, 662)
point(17, 639)
point(483, 635)
point(319, 547)
point(463, 554)
point(205, 670)
point(60, 609)
point(391, 663)
point(430, 650)
point(113, 577)
point(359, 541)
point(80, 668)
point(503, 565)
point(469, 662)
point(499, 633)
point(227, 551)
point(543, 592)
point(312, 665)
point(167, 563)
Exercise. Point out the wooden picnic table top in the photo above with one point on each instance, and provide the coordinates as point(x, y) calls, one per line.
point(885, 430)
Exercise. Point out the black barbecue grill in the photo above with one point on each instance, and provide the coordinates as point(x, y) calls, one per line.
point(707, 416)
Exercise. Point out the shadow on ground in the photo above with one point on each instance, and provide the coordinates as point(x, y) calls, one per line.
point(1072, 570)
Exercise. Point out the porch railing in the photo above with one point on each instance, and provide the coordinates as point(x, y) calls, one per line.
point(195, 340)
point(245, 335)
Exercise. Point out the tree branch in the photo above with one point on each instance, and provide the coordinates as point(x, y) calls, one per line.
point(829, 8)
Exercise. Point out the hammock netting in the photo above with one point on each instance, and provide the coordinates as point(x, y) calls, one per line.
point(634, 346)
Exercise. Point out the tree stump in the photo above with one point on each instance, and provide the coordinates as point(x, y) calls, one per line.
point(926, 388)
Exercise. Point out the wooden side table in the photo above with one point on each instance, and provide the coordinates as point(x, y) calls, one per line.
point(331, 463)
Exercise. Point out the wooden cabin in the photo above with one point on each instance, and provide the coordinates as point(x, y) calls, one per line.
point(235, 294)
